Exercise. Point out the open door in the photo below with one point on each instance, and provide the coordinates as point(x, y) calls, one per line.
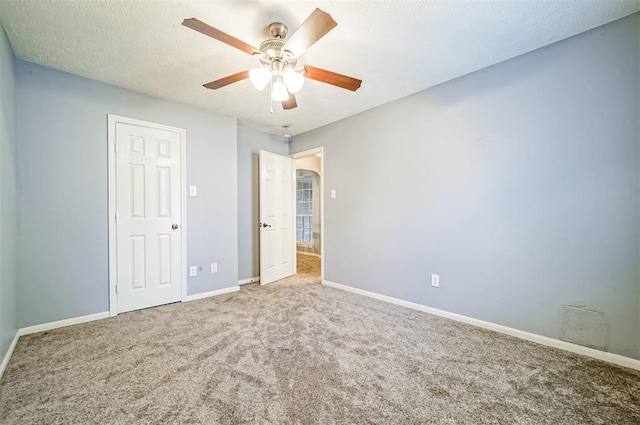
point(277, 222)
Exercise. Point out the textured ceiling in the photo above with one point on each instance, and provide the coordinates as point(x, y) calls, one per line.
point(396, 47)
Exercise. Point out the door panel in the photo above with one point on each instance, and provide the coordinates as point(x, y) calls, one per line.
point(164, 259)
point(164, 192)
point(276, 211)
point(138, 255)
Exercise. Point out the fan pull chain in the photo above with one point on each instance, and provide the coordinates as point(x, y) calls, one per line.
point(271, 98)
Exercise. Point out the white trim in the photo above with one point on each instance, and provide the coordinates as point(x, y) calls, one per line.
point(250, 280)
point(304, 154)
point(111, 163)
point(293, 216)
point(7, 357)
point(111, 160)
point(544, 340)
point(63, 323)
point(308, 152)
point(211, 293)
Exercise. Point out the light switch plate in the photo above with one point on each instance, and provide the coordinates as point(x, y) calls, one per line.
point(193, 271)
point(333, 194)
point(435, 280)
point(214, 267)
point(193, 191)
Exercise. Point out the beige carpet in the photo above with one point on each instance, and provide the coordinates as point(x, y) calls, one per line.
point(300, 353)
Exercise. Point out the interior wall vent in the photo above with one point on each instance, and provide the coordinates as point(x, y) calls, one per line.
point(583, 326)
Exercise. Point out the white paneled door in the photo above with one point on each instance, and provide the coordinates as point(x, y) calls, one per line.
point(277, 221)
point(148, 219)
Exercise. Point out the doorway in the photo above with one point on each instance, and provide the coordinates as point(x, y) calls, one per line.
point(309, 211)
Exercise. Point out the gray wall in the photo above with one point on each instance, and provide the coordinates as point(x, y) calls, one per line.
point(517, 184)
point(62, 158)
point(8, 201)
point(250, 142)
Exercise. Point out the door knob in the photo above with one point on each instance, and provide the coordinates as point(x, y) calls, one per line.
point(264, 225)
point(174, 226)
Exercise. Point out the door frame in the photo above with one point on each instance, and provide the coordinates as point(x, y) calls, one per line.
point(303, 154)
point(112, 120)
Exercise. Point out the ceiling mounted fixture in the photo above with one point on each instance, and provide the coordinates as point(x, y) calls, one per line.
point(285, 132)
point(279, 58)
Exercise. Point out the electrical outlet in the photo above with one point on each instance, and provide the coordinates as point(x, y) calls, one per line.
point(435, 280)
point(193, 271)
point(214, 267)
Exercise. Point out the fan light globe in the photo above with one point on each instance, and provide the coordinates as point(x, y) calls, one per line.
point(293, 79)
point(259, 77)
point(279, 91)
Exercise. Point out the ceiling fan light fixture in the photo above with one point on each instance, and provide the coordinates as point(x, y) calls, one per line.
point(259, 77)
point(279, 91)
point(279, 57)
point(293, 79)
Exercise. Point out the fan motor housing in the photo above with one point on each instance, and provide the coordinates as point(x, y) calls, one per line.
point(278, 30)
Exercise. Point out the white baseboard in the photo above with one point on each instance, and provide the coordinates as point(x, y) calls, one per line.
point(544, 340)
point(62, 323)
point(9, 353)
point(211, 293)
point(250, 280)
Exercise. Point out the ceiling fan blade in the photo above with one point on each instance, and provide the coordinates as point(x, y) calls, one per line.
point(290, 103)
point(312, 29)
point(229, 79)
point(212, 32)
point(333, 78)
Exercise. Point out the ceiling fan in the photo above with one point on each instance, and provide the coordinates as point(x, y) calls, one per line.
point(278, 58)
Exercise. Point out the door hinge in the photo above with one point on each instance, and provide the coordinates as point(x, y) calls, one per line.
point(116, 288)
point(115, 147)
point(116, 218)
